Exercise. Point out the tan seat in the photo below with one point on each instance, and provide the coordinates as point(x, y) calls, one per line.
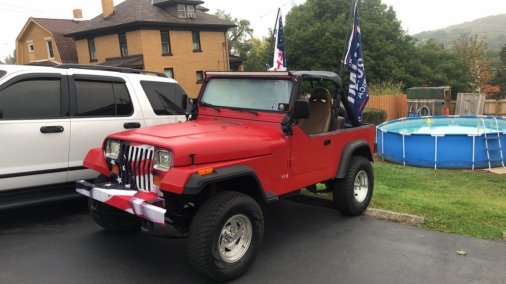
point(320, 111)
point(340, 122)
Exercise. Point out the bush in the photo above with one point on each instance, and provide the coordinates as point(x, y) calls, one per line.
point(374, 116)
point(385, 88)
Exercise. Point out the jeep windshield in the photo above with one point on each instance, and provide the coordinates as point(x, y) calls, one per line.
point(240, 93)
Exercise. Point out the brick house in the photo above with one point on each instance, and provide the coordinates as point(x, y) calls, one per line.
point(43, 41)
point(176, 37)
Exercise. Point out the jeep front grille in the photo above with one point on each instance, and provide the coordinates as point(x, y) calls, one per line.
point(135, 164)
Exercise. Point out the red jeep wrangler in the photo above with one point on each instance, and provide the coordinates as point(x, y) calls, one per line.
point(252, 138)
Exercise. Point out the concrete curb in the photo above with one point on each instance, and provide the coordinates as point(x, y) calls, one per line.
point(370, 212)
point(394, 216)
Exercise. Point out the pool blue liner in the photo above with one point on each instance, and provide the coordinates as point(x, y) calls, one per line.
point(451, 142)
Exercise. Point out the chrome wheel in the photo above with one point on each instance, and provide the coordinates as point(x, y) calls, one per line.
point(235, 238)
point(361, 186)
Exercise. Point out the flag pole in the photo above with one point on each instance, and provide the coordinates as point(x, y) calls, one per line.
point(350, 19)
point(274, 32)
point(276, 22)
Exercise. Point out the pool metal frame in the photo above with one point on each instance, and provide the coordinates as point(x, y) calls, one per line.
point(436, 136)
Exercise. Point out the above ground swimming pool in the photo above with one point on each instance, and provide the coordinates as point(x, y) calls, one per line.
point(451, 142)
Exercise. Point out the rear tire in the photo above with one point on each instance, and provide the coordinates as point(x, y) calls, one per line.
point(225, 235)
point(110, 218)
point(353, 193)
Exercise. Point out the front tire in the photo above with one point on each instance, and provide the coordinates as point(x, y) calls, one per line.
point(110, 218)
point(225, 235)
point(352, 194)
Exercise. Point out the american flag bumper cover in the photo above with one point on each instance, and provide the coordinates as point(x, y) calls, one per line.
point(146, 205)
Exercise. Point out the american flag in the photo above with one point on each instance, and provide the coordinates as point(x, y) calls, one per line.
point(279, 62)
point(358, 94)
point(135, 164)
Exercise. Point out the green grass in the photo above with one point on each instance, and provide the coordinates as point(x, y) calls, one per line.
point(465, 202)
point(458, 201)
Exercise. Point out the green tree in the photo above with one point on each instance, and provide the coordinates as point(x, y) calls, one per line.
point(10, 59)
point(315, 34)
point(494, 60)
point(315, 37)
point(260, 56)
point(471, 51)
point(500, 78)
point(238, 36)
point(433, 65)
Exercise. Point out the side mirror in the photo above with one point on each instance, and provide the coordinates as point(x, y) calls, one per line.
point(301, 109)
point(184, 101)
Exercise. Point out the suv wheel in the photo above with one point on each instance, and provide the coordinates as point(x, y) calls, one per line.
point(110, 218)
point(225, 235)
point(353, 193)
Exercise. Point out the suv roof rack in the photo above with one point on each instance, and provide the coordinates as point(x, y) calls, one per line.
point(109, 68)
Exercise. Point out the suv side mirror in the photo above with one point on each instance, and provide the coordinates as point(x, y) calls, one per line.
point(184, 101)
point(301, 109)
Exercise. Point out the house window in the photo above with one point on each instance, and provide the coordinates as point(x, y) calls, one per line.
point(191, 11)
point(49, 45)
point(181, 11)
point(165, 37)
point(123, 46)
point(196, 41)
point(169, 72)
point(30, 47)
point(200, 76)
point(92, 50)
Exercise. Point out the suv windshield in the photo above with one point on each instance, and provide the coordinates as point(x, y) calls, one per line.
point(258, 94)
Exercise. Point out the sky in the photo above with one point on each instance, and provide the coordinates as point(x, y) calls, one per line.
point(425, 15)
point(415, 15)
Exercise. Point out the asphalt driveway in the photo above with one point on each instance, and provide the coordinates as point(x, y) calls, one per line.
point(59, 243)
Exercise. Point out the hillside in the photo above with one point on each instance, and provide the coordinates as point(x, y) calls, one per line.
point(492, 28)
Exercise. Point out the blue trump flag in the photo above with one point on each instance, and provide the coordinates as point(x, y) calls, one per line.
point(358, 93)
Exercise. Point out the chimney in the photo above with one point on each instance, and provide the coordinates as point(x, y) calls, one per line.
point(107, 8)
point(78, 14)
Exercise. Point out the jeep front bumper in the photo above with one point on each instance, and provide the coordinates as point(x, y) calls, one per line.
point(146, 205)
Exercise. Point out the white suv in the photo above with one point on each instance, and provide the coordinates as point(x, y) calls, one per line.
point(51, 116)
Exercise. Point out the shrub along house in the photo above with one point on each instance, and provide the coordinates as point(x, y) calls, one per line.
point(176, 37)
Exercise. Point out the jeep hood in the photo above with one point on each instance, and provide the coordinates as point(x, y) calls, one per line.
point(208, 141)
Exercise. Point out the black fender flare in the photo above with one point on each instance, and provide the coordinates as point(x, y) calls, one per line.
point(348, 151)
point(196, 183)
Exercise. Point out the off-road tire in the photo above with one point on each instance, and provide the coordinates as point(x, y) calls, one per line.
point(207, 229)
point(349, 197)
point(110, 218)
